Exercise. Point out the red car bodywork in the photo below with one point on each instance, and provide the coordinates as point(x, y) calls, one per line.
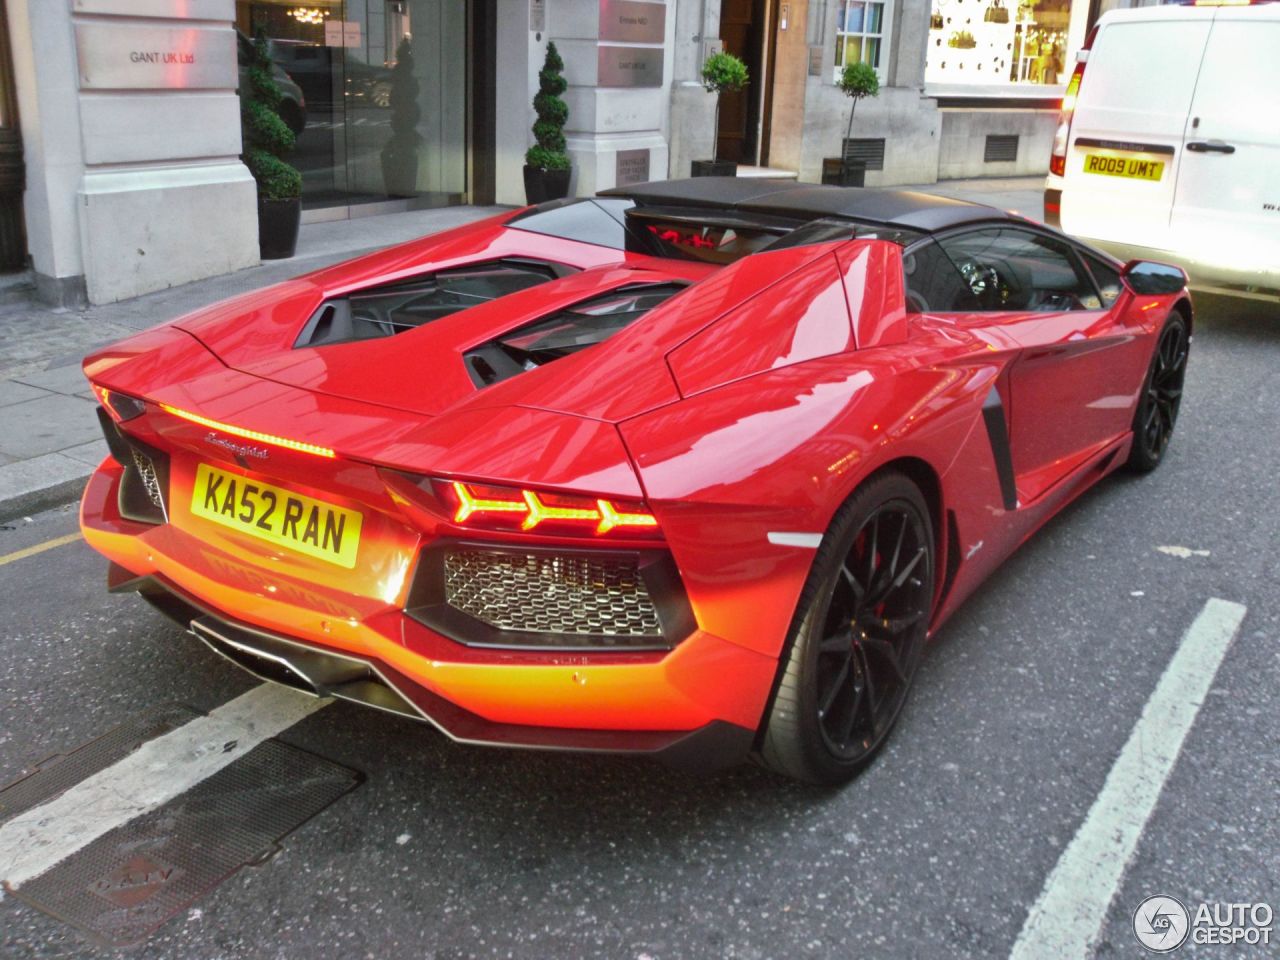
point(741, 412)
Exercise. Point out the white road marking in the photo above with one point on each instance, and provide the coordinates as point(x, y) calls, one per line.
point(1072, 907)
point(1183, 552)
point(155, 773)
point(784, 539)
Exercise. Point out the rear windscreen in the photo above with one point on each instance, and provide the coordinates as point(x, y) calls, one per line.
point(679, 233)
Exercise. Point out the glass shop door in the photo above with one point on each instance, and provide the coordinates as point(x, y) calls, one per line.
point(376, 92)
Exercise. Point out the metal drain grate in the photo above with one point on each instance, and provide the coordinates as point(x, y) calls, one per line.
point(870, 150)
point(1000, 148)
point(123, 886)
point(60, 773)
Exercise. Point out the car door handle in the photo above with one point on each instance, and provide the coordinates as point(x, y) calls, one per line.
point(1210, 146)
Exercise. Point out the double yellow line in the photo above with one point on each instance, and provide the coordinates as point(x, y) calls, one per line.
point(38, 548)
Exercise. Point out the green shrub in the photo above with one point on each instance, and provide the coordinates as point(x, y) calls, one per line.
point(546, 159)
point(723, 72)
point(857, 80)
point(548, 153)
point(267, 138)
point(276, 179)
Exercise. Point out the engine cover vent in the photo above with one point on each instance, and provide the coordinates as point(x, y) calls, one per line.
point(394, 308)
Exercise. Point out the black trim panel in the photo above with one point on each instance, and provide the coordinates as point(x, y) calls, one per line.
point(371, 682)
point(427, 602)
point(998, 434)
point(1130, 145)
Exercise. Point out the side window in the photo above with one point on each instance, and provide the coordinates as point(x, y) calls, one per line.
point(933, 284)
point(1106, 277)
point(1010, 269)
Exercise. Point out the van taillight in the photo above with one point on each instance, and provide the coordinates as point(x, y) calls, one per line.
point(1058, 159)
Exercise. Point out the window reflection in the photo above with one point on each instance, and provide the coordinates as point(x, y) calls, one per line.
point(367, 132)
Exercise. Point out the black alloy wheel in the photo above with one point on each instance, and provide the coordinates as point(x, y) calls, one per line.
point(1161, 399)
point(863, 619)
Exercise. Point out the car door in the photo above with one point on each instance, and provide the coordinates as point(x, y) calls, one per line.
point(1127, 128)
point(1077, 363)
point(1227, 200)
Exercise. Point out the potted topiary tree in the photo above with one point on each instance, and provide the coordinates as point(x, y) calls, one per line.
point(857, 80)
point(267, 139)
point(721, 72)
point(546, 165)
point(400, 154)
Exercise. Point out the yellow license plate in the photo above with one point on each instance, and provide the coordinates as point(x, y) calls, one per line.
point(277, 516)
point(1130, 167)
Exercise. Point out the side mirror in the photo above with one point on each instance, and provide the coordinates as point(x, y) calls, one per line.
point(1150, 277)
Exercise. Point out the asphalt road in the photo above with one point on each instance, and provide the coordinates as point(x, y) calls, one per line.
point(939, 850)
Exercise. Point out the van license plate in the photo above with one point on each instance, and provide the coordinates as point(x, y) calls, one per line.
point(1130, 167)
point(276, 515)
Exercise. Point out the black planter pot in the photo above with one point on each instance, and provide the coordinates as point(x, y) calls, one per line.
point(400, 173)
point(542, 185)
point(844, 173)
point(278, 227)
point(714, 168)
point(13, 240)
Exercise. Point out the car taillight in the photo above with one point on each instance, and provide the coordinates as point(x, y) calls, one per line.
point(121, 406)
point(494, 507)
point(244, 433)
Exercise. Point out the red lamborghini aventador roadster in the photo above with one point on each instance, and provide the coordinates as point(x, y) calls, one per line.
point(691, 469)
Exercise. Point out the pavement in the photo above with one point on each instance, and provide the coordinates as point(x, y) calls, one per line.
point(52, 441)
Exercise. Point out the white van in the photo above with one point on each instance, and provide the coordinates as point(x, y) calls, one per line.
point(1168, 147)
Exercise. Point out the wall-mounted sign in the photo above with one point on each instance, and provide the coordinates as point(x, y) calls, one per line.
point(629, 66)
point(711, 47)
point(538, 15)
point(342, 33)
point(633, 22)
point(129, 56)
point(177, 9)
point(633, 167)
point(815, 61)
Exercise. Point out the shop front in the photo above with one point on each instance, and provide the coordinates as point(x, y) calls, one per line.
point(373, 138)
point(986, 48)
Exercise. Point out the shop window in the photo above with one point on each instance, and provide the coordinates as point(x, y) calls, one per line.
point(1002, 43)
point(862, 34)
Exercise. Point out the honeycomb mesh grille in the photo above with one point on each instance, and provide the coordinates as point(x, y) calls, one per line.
point(150, 482)
point(570, 596)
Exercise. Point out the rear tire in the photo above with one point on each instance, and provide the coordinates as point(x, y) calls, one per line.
point(1157, 412)
point(857, 638)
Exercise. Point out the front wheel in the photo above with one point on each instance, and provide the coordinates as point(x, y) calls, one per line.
point(858, 637)
point(1157, 412)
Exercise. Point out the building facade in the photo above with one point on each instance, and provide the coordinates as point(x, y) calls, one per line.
point(130, 131)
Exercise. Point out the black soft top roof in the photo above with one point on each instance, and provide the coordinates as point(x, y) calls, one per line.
point(783, 198)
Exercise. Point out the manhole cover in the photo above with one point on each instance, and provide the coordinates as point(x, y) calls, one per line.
point(128, 882)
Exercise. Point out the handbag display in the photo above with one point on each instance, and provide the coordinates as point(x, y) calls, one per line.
point(962, 40)
point(996, 13)
point(935, 21)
